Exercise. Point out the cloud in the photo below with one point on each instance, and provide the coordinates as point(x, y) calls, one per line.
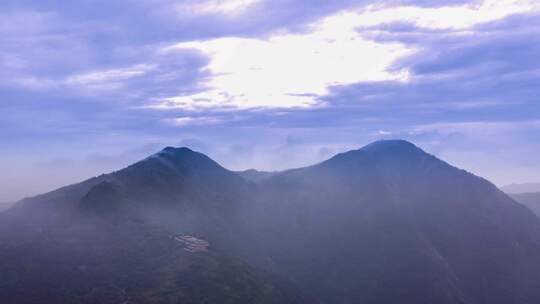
point(455, 17)
point(492, 65)
point(289, 69)
point(233, 7)
point(47, 45)
point(193, 121)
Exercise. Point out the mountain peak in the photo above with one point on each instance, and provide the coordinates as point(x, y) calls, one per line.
point(175, 150)
point(181, 154)
point(181, 157)
point(394, 145)
point(396, 153)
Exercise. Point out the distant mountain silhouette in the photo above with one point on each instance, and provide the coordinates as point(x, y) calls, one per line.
point(387, 223)
point(4, 206)
point(531, 200)
point(521, 188)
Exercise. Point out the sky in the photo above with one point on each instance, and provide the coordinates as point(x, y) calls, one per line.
point(90, 86)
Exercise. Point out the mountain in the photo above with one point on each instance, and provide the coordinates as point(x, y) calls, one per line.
point(531, 200)
point(521, 188)
point(134, 236)
point(387, 223)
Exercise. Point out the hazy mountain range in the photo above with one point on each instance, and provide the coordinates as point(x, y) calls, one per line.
point(521, 188)
point(387, 223)
point(531, 200)
point(527, 194)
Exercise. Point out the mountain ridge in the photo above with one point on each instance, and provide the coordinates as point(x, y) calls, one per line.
point(184, 157)
point(384, 223)
point(414, 194)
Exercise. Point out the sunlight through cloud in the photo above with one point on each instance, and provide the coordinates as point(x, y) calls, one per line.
point(290, 70)
point(293, 69)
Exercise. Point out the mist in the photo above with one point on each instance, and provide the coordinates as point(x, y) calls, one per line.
point(347, 229)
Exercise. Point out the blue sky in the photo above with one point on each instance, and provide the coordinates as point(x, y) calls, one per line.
point(88, 87)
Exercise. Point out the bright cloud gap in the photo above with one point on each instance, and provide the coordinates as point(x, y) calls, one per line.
point(294, 70)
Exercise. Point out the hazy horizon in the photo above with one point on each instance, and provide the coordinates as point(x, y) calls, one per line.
point(53, 185)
